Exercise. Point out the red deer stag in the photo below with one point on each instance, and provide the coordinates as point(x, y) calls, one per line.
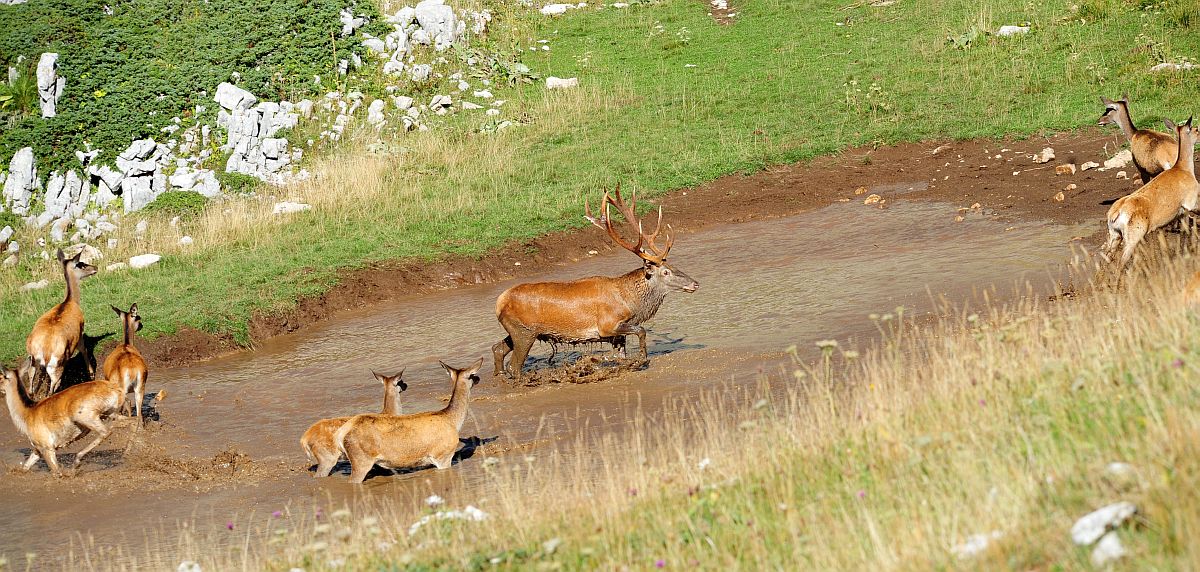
point(58, 334)
point(598, 308)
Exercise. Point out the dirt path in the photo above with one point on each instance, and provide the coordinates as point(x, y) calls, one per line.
point(958, 172)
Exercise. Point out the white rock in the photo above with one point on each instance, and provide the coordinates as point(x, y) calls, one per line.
point(13, 247)
point(11, 260)
point(112, 243)
point(1089, 165)
point(1121, 174)
point(626, 5)
point(492, 112)
point(105, 226)
point(483, 94)
point(1045, 156)
point(141, 227)
point(469, 105)
point(1108, 550)
point(1012, 30)
point(438, 20)
point(1172, 66)
point(58, 230)
point(561, 83)
point(555, 9)
point(143, 261)
point(185, 241)
point(420, 72)
point(402, 102)
point(975, 544)
point(50, 86)
point(288, 207)
point(22, 180)
point(375, 45)
point(5, 234)
point(87, 253)
point(1091, 527)
point(35, 285)
point(116, 266)
point(375, 112)
point(1119, 160)
point(349, 22)
point(232, 97)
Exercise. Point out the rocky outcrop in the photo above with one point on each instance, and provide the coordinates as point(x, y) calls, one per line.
point(50, 85)
point(22, 180)
point(253, 148)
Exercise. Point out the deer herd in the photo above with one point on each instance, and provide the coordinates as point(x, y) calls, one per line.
point(593, 309)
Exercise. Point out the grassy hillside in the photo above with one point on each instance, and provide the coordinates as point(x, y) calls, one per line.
point(779, 85)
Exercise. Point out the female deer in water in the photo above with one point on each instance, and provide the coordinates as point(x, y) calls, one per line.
point(318, 441)
point(403, 441)
point(62, 418)
point(1170, 194)
point(125, 364)
point(598, 308)
point(58, 334)
point(1153, 151)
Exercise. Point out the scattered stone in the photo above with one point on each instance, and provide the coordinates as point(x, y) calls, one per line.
point(958, 218)
point(116, 266)
point(1121, 476)
point(555, 9)
point(1108, 550)
point(1089, 165)
point(233, 98)
point(1045, 156)
point(420, 72)
point(402, 102)
point(1065, 169)
point(1012, 30)
point(6, 233)
point(483, 94)
point(975, 544)
point(438, 21)
point(471, 106)
point(87, 253)
point(860, 190)
point(1091, 527)
point(143, 261)
point(50, 86)
point(22, 180)
point(1172, 66)
point(185, 241)
point(1071, 187)
point(561, 83)
point(1122, 175)
point(375, 112)
point(58, 230)
point(1060, 197)
point(492, 112)
point(141, 227)
point(872, 199)
point(1119, 160)
point(288, 207)
point(35, 285)
point(11, 260)
point(440, 103)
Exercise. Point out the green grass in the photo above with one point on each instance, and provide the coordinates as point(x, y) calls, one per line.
point(778, 86)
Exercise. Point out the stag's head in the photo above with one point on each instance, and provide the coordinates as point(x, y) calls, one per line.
point(1111, 109)
point(654, 257)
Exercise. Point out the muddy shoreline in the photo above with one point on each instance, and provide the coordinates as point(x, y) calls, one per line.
point(957, 172)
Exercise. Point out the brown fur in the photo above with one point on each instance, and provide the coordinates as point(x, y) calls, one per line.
point(58, 334)
point(62, 418)
point(598, 308)
point(1153, 151)
point(1167, 196)
point(318, 442)
point(405, 441)
point(125, 364)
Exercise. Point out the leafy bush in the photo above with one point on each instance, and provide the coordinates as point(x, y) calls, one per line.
point(236, 182)
point(10, 219)
point(183, 204)
point(128, 74)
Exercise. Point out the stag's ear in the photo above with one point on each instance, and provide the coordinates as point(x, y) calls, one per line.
point(1170, 124)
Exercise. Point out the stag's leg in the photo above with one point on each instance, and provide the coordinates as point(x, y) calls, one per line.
point(359, 467)
point(52, 461)
point(326, 460)
point(55, 371)
point(628, 330)
point(500, 350)
point(96, 426)
point(139, 391)
point(521, 346)
point(34, 457)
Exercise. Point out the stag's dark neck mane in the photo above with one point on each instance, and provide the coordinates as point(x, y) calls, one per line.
point(644, 296)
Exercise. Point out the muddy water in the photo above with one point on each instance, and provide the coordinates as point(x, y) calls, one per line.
point(764, 285)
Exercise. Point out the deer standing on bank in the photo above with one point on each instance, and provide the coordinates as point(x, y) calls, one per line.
point(405, 441)
point(1172, 193)
point(58, 334)
point(598, 308)
point(62, 418)
point(125, 364)
point(1153, 151)
point(318, 441)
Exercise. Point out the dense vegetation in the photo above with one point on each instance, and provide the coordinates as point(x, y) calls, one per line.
point(129, 73)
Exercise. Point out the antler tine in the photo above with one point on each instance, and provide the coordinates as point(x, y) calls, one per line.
point(587, 213)
point(612, 232)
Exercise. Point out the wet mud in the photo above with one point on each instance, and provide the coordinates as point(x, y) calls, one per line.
point(224, 441)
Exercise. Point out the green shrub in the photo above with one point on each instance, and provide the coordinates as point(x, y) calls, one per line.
point(237, 183)
point(10, 219)
point(128, 74)
point(183, 204)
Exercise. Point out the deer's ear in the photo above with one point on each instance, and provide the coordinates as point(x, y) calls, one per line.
point(1170, 124)
point(61, 257)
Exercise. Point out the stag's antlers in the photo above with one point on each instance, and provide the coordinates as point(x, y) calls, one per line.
point(645, 247)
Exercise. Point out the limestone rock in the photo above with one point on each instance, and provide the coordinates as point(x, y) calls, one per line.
point(468, 105)
point(1090, 528)
point(1088, 166)
point(420, 72)
point(561, 83)
point(50, 86)
point(116, 266)
point(555, 9)
point(35, 285)
point(232, 97)
point(1119, 160)
point(6, 234)
point(438, 20)
point(1065, 169)
point(1012, 30)
point(375, 112)
point(143, 261)
point(1108, 550)
point(289, 207)
point(21, 182)
point(1045, 156)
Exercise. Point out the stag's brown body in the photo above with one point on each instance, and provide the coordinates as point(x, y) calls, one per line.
point(62, 418)
point(1172, 193)
point(318, 441)
point(598, 308)
point(1153, 151)
point(58, 334)
point(406, 441)
point(125, 364)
